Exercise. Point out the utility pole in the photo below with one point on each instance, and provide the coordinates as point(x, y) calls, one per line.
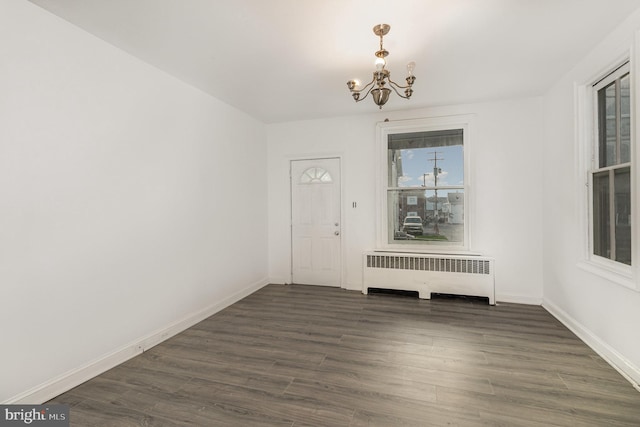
point(436, 172)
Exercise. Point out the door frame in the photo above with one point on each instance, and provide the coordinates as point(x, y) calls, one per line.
point(339, 157)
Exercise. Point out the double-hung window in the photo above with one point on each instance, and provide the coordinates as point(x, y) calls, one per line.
point(423, 190)
point(610, 173)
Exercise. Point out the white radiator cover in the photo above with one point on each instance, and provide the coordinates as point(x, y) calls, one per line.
point(427, 274)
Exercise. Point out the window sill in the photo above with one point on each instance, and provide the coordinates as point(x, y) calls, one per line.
point(613, 273)
point(428, 251)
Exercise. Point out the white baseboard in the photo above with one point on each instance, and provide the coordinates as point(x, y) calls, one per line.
point(352, 287)
point(279, 280)
point(58, 385)
point(609, 354)
point(518, 299)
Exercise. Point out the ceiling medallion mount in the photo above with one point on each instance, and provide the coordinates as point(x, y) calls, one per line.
point(381, 76)
point(381, 29)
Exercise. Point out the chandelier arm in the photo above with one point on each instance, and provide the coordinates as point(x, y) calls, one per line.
point(368, 92)
point(393, 86)
point(368, 85)
point(399, 86)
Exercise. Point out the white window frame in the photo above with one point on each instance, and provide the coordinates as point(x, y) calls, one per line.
point(383, 130)
point(587, 150)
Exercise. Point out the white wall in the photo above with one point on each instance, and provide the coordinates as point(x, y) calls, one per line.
point(604, 314)
point(120, 187)
point(121, 192)
point(506, 157)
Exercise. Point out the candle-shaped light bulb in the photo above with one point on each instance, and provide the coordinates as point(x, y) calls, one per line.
point(410, 67)
point(380, 63)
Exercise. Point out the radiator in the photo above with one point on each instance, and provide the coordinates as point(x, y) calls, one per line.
point(427, 274)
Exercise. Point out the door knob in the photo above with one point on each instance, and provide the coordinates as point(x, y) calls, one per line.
point(337, 233)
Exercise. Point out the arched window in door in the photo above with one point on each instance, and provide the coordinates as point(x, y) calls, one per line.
point(315, 175)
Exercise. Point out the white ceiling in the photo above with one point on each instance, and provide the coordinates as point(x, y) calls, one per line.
point(282, 60)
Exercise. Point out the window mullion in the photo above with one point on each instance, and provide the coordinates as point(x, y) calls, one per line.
point(618, 117)
point(612, 213)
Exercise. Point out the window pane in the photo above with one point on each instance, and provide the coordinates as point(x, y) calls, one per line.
point(623, 215)
point(405, 216)
point(625, 120)
point(607, 125)
point(434, 218)
point(601, 234)
point(315, 176)
point(445, 215)
point(426, 159)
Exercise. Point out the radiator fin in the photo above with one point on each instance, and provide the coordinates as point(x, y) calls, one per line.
point(424, 263)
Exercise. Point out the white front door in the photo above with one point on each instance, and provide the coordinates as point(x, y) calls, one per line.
point(315, 222)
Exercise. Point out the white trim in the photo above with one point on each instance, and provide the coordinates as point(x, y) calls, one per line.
point(586, 156)
point(383, 129)
point(615, 71)
point(635, 163)
point(593, 167)
point(627, 369)
point(427, 251)
point(280, 280)
point(582, 154)
point(608, 270)
point(68, 380)
point(343, 231)
point(517, 299)
point(286, 164)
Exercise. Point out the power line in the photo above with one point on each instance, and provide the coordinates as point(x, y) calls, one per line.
point(436, 172)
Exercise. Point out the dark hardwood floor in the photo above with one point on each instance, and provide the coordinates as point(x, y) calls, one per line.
point(314, 356)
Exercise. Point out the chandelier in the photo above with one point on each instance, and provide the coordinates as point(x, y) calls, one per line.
point(378, 87)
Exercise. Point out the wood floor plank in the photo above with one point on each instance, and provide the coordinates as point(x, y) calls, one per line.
point(318, 356)
point(365, 399)
point(218, 414)
point(215, 371)
point(371, 418)
point(373, 381)
point(467, 381)
point(298, 408)
point(99, 413)
point(493, 410)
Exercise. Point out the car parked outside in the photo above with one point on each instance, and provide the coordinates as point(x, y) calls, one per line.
point(412, 225)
